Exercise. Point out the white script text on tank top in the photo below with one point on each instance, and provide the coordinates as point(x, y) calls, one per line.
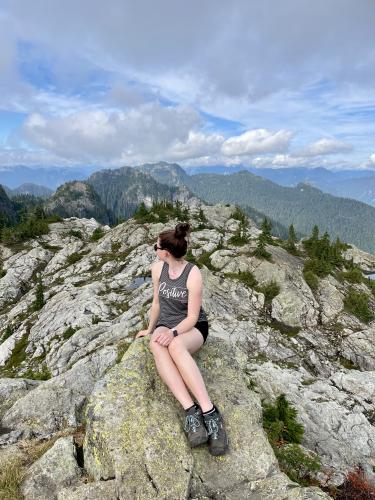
point(176, 292)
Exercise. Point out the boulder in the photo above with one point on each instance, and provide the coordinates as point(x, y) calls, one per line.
point(54, 470)
point(134, 433)
point(58, 402)
point(359, 347)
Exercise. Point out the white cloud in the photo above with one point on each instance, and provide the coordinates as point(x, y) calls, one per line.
point(197, 145)
point(141, 134)
point(325, 146)
point(257, 142)
point(238, 61)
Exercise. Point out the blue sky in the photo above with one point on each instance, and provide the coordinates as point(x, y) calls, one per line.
point(268, 83)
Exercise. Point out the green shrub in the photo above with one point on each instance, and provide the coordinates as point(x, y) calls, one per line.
point(97, 234)
point(238, 214)
point(270, 290)
point(353, 276)
point(311, 279)
point(292, 240)
point(204, 260)
point(2, 272)
point(160, 211)
point(280, 422)
point(370, 284)
point(39, 296)
point(201, 219)
point(43, 374)
point(357, 303)
point(238, 240)
point(54, 218)
point(8, 332)
point(266, 227)
point(296, 463)
point(74, 257)
point(17, 357)
point(260, 250)
point(285, 434)
point(28, 228)
point(319, 267)
point(191, 258)
point(69, 332)
point(76, 233)
point(246, 277)
point(115, 246)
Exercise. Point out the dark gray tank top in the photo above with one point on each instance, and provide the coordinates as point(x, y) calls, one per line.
point(173, 297)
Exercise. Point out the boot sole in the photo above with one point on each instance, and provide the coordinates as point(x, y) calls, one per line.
point(193, 444)
point(219, 451)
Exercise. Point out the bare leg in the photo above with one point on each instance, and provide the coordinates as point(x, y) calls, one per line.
point(169, 372)
point(180, 350)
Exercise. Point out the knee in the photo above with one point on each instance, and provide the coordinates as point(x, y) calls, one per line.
point(176, 347)
point(156, 348)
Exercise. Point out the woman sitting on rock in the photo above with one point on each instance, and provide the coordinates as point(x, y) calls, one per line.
point(179, 327)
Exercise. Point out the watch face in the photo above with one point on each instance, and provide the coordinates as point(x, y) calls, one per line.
point(175, 333)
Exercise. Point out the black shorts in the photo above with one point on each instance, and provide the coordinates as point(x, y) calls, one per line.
point(202, 326)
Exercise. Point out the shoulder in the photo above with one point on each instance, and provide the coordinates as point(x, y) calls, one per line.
point(195, 276)
point(156, 268)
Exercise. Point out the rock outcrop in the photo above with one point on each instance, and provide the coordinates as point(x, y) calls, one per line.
point(134, 434)
point(74, 362)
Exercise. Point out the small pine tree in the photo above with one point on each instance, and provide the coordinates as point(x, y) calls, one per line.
point(280, 422)
point(40, 213)
point(292, 239)
point(178, 210)
point(266, 227)
point(185, 214)
point(141, 212)
point(260, 250)
point(201, 216)
point(39, 296)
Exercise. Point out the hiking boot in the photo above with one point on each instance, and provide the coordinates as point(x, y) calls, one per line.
point(217, 437)
point(194, 427)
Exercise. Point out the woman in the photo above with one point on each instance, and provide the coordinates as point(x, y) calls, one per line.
point(178, 328)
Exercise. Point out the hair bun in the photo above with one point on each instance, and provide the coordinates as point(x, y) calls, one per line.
point(182, 229)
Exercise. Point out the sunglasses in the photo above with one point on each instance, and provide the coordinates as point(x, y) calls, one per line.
point(157, 248)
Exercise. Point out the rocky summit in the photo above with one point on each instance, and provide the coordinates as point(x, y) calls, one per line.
point(78, 390)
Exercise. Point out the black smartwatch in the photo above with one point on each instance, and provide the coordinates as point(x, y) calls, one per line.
point(175, 333)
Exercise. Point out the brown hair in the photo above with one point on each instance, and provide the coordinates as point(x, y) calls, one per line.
point(174, 240)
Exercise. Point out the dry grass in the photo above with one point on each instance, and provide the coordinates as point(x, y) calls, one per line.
point(13, 468)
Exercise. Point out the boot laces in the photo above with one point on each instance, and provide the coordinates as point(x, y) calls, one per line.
point(191, 422)
point(213, 427)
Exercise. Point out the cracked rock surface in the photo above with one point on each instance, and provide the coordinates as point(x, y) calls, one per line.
point(74, 362)
point(134, 433)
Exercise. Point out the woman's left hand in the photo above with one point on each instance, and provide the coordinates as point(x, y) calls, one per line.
point(164, 338)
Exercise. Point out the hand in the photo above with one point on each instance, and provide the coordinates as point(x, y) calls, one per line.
point(164, 338)
point(142, 333)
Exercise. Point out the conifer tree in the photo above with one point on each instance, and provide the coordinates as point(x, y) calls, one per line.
point(292, 239)
point(40, 213)
point(39, 296)
point(260, 250)
point(178, 210)
point(266, 227)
